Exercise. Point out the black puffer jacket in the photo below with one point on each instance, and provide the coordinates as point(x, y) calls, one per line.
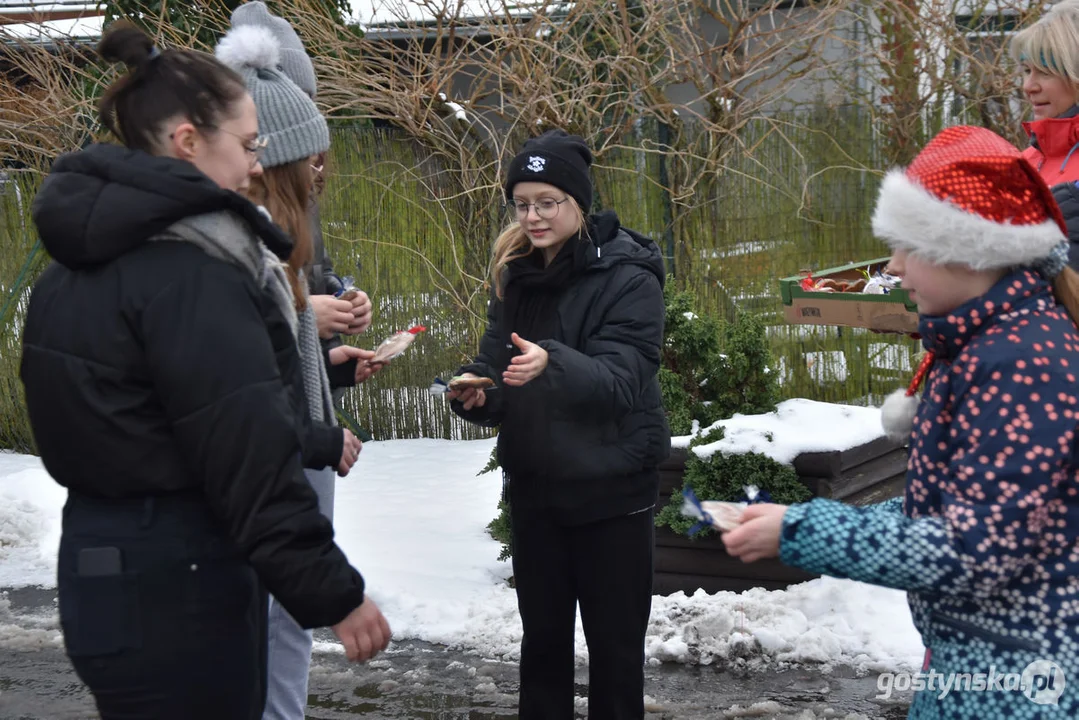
point(152, 368)
point(606, 428)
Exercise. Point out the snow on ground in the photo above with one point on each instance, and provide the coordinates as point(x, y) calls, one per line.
point(30, 505)
point(412, 517)
point(797, 426)
point(23, 632)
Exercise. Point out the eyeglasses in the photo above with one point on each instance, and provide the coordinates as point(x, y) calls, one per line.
point(545, 208)
point(256, 148)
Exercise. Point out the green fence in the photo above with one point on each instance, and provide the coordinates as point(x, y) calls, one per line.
point(797, 196)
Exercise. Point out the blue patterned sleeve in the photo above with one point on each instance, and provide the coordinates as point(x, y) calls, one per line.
point(876, 544)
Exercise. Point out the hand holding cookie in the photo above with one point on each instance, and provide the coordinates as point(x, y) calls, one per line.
point(469, 390)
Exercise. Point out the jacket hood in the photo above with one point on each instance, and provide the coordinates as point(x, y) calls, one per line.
point(102, 202)
point(613, 244)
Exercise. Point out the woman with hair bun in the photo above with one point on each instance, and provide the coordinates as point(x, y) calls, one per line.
point(160, 373)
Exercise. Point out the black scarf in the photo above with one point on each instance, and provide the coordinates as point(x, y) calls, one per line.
point(529, 307)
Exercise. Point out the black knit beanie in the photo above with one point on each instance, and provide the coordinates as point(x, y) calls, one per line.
point(558, 159)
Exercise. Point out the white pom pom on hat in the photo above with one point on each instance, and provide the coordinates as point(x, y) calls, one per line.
point(900, 408)
point(249, 46)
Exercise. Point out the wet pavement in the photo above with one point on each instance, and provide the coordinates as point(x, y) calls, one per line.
point(420, 681)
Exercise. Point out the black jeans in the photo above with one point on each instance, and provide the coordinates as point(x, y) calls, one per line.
point(606, 566)
point(169, 625)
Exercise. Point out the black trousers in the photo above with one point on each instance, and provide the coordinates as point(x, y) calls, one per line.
point(162, 617)
point(606, 567)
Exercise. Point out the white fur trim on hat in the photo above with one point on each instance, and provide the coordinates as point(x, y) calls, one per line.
point(249, 46)
point(908, 217)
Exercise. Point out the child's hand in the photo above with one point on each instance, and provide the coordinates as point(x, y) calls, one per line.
point(757, 537)
point(469, 397)
point(527, 366)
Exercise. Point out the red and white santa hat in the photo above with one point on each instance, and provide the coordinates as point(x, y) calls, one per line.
point(968, 198)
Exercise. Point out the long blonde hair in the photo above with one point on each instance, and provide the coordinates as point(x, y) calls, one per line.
point(513, 243)
point(285, 190)
point(1052, 43)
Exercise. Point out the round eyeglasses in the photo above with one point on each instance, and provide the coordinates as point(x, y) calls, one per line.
point(256, 147)
point(545, 208)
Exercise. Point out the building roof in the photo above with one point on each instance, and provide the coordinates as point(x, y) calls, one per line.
point(17, 12)
point(49, 22)
point(394, 19)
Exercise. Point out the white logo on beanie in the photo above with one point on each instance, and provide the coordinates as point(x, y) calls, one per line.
point(535, 163)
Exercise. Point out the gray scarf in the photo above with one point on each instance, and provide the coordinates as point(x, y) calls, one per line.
point(226, 236)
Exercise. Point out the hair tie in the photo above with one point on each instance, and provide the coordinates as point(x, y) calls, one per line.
point(1055, 263)
point(154, 53)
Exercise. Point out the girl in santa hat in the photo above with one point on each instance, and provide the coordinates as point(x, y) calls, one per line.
point(986, 538)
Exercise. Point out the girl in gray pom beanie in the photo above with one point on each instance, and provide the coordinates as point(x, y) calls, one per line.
point(295, 134)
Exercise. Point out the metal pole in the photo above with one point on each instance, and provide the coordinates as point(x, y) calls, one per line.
point(664, 137)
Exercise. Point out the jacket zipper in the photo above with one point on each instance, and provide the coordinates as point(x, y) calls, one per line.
point(972, 629)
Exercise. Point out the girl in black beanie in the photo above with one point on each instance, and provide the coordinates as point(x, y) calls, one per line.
point(574, 331)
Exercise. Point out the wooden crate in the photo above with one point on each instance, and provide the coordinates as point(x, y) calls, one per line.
point(893, 312)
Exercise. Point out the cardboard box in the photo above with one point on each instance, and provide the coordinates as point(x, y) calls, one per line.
point(894, 312)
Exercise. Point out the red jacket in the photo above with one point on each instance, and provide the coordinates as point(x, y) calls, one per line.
point(1054, 149)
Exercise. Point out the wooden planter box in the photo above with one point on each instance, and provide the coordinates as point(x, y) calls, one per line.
point(861, 475)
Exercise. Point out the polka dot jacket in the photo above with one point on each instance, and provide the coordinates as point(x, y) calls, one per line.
point(986, 539)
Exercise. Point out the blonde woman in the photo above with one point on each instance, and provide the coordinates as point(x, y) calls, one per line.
point(573, 340)
point(1048, 53)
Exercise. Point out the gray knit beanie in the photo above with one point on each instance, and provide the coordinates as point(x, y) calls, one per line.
point(295, 62)
point(289, 120)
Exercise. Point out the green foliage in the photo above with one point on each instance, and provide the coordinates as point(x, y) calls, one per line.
point(677, 401)
point(501, 530)
point(151, 15)
point(724, 477)
point(707, 438)
point(747, 380)
point(713, 368)
point(492, 462)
